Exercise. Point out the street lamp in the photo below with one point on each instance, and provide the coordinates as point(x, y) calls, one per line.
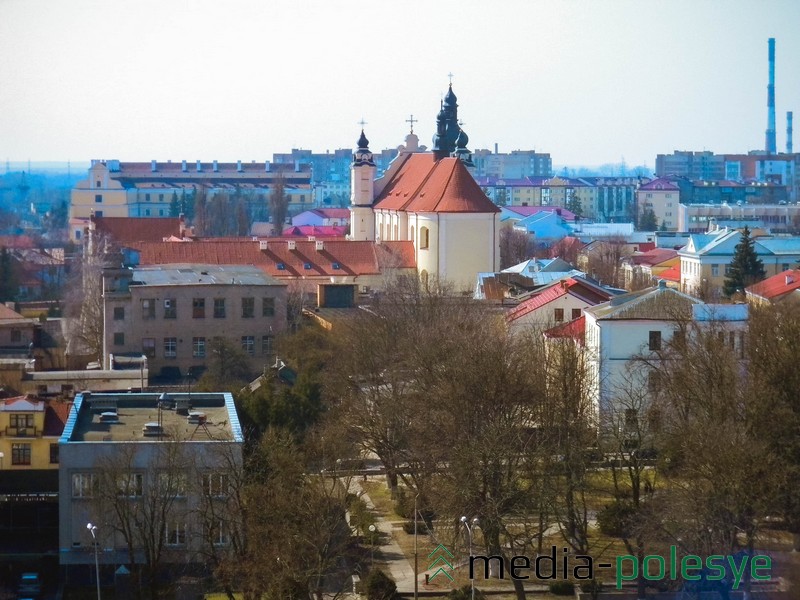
point(93, 530)
point(469, 535)
point(372, 530)
point(416, 561)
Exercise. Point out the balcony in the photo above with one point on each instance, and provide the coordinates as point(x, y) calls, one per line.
point(22, 432)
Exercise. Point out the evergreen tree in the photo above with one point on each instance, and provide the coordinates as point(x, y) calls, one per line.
point(8, 277)
point(174, 206)
point(745, 268)
point(648, 221)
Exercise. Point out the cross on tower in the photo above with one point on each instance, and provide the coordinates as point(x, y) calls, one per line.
point(362, 122)
point(450, 77)
point(412, 120)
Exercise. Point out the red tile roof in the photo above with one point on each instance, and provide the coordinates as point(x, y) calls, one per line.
point(124, 230)
point(589, 294)
point(652, 257)
point(776, 286)
point(573, 329)
point(671, 274)
point(352, 257)
point(16, 242)
point(7, 314)
point(423, 184)
point(55, 417)
point(660, 184)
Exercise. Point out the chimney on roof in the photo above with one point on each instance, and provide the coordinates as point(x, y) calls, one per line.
point(199, 167)
point(216, 167)
point(319, 245)
point(238, 166)
point(183, 166)
point(789, 280)
point(153, 168)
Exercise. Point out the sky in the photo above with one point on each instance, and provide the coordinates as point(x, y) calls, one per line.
point(589, 81)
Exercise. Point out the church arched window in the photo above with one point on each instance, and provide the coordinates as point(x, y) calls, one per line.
point(424, 237)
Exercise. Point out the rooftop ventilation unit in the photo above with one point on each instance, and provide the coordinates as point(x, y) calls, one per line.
point(216, 167)
point(184, 168)
point(152, 429)
point(239, 166)
point(199, 167)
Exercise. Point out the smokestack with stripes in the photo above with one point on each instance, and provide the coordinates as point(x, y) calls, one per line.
point(789, 132)
point(771, 146)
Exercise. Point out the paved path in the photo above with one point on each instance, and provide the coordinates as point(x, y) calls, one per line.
point(400, 569)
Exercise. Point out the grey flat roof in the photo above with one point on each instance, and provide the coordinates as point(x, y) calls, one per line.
point(135, 413)
point(200, 274)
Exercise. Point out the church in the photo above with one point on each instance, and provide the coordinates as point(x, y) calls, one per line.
point(431, 200)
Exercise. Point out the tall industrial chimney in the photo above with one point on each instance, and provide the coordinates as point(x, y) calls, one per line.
point(770, 145)
point(788, 132)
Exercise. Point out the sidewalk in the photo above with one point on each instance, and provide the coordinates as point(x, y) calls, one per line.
point(400, 569)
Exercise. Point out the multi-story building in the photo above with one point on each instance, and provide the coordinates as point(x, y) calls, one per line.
point(515, 165)
point(29, 432)
point(130, 189)
point(774, 218)
point(691, 165)
point(663, 197)
point(706, 258)
point(639, 325)
point(153, 474)
point(171, 313)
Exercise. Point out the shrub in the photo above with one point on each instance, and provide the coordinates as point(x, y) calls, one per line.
point(422, 527)
point(592, 587)
point(379, 586)
point(562, 588)
point(615, 519)
point(465, 593)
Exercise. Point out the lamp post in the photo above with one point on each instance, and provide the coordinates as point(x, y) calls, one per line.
point(372, 530)
point(93, 530)
point(416, 561)
point(469, 536)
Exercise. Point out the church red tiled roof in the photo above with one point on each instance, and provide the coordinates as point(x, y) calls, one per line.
point(423, 184)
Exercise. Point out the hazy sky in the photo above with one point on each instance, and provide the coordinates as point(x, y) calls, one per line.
point(589, 81)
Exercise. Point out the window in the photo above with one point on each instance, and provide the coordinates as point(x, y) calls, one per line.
point(215, 484)
point(98, 198)
point(170, 308)
point(249, 344)
point(147, 197)
point(20, 454)
point(119, 313)
point(83, 485)
point(119, 339)
point(653, 381)
point(654, 342)
point(149, 347)
point(248, 308)
point(53, 454)
point(146, 212)
point(20, 421)
point(16, 336)
point(268, 307)
point(424, 237)
point(172, 484)
point(198, 308)
point(219, 308)
point(576, 313)
point(559, 315)
point(176, 534)
point(148, 308)
point(170, 347)
point(715, 270)
point(199, 347)
point(266, 345)
point(97, 184)
point(161, 197)
point(130, 485)
point(785, 267)
point(98, 213)
point(217, 533)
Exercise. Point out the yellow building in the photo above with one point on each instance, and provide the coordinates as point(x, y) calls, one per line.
point(29, 432)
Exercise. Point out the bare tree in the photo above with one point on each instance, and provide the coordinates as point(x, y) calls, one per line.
point(278, 203)
point(515, 247)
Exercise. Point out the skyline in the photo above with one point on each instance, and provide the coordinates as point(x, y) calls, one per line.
point(589, 83)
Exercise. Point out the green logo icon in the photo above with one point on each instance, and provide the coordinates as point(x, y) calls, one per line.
point(445, 568)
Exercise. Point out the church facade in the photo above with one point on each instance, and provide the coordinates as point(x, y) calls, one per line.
point(432, 200)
